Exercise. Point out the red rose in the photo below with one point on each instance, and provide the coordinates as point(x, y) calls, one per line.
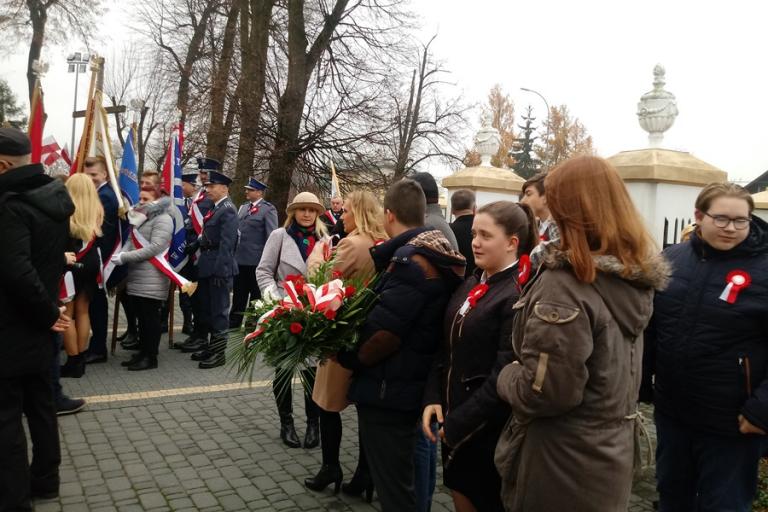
point(349, 291)
point(336, 274)
point(296, 328)
point(330, 314)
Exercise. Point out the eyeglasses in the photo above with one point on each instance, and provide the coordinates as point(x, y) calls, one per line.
point(722, 221)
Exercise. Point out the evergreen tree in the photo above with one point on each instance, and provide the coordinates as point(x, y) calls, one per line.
point(526, 163)
point(11, 114)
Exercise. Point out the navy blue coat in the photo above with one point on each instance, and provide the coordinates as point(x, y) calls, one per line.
point(253, 231)
point(110, 225)
point(710, 357)
point(218, 241)
point(403, 332)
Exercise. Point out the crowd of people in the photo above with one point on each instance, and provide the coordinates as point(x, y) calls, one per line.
point(518, 338)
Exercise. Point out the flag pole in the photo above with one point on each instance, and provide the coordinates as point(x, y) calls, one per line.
point(82, 149)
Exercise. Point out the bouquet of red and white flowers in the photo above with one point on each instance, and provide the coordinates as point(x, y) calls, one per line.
point(318, 317)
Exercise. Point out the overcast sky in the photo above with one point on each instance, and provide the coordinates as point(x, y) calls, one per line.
point(595, 56)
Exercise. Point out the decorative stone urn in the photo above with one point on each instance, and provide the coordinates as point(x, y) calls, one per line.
point(657, 109)
point(489, 183)
point(487, 143)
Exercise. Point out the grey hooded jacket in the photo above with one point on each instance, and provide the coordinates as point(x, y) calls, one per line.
point(144, 280)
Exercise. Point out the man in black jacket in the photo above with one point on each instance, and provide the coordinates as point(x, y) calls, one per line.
point(34, 227)
point(401, 338)
point(463, 208)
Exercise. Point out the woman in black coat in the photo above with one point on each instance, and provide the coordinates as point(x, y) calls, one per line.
point(461, 392)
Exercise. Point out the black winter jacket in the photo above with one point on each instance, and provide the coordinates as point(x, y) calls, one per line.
point(476, 347)
point(34, 229)
point(402, 333)
point(710, 357)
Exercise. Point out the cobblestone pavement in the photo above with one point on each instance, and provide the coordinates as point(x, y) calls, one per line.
point(180, 438)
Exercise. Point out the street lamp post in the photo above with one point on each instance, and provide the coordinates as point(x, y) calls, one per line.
point(76, 64)
point(537, 93)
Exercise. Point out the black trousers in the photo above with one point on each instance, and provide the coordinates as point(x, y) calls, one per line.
point(148, 313)
point(130, 313)
point(283, 392)
point(389, 439)
point(186, 302)
point(704, 472)
point(98, 313)
point(214, 310)
point(245, 291)
point(31, 396)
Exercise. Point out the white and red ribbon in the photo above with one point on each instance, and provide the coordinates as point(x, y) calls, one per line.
point(195, 215)
point(331, 217)
point(67, 287)
point(328, 297)
point(160, 262)
point(736, 281)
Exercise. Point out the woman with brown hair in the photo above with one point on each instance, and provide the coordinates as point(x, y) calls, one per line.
point(84, 229)
point(461, 393)
point(569, 444)
point(362, 218)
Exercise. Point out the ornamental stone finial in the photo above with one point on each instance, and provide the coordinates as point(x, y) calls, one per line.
point(657, 109)
point(487, 143)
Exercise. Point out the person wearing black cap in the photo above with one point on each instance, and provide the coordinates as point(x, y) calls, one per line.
point(435, 218)
point(257, 218)
point(215, 269)
point(34, 228)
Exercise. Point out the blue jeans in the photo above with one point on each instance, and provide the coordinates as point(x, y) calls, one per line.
point(425, 465)
point(702, 472)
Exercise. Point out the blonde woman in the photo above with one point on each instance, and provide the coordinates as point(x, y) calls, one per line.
point(285, 254)
point(84, 228)
point(362, 218)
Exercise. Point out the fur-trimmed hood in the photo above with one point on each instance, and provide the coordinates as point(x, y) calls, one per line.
point(655, 274)
point(629, 298)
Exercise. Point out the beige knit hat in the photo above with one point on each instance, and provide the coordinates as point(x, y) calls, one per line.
point(305, 200)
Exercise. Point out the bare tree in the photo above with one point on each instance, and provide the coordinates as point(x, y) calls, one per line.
point(178, 28)
point(254, 42)
point(23, 18)
point(425, 127)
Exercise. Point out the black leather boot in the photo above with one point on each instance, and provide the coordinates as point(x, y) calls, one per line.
point(135, 358)
point(145, 363)
point(361, 483)
point(74, 367)
point(187, 328)
point(288, 432)
point(326, 476)
point(312, 436)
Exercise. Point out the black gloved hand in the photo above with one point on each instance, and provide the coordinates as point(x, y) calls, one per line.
point(191, 248)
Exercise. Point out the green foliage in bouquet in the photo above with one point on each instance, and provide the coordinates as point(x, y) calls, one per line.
point(318, 317)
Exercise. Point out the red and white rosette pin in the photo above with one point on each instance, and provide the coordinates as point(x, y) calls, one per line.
point(736, 281)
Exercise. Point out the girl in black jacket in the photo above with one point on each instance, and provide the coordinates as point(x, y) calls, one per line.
point(461, 392)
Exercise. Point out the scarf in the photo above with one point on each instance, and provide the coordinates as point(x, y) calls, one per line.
point(305, 238)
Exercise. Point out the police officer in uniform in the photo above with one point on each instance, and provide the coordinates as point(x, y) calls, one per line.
point(216, 267)
point(257, 218)
point(199, 338)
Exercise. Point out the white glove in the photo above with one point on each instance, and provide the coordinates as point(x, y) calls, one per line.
point(117, 258)
point(270, 293)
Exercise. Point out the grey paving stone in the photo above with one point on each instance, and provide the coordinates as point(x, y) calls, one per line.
point(203, 499)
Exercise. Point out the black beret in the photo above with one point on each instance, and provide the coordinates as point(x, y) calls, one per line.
point(14, 142)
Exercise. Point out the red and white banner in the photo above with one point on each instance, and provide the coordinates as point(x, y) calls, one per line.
point(160, 262)
point(67, 288)
point(195, 214)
